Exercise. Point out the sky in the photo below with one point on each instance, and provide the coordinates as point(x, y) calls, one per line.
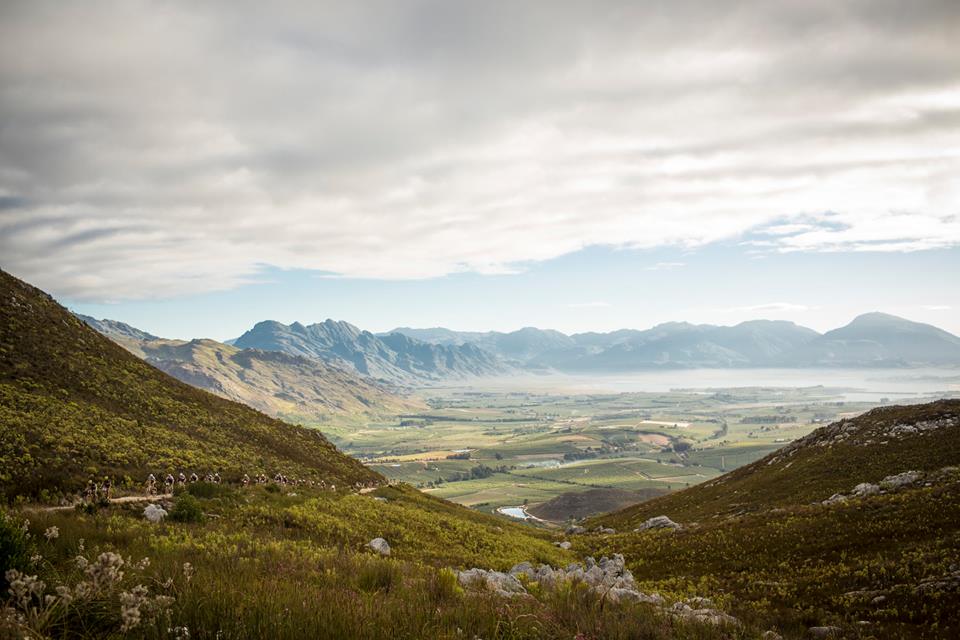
point(194, 168)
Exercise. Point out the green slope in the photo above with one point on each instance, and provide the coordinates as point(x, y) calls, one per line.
point(285, 386)
point(832, 459)
point(74, 404)
point(775, 544)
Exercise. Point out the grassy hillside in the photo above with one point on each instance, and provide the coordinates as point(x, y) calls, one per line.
point(884, 566)
point(832, 459)
point(293, 388)
point(73, 404)
point(776, 544)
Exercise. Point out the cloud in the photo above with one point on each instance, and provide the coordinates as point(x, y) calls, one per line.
point(770, 307)
point(936, 307)
point(200, 142)
point(666, 266)
point(588, 305)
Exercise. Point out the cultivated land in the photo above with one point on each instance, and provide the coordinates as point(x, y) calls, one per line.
point(491, 448)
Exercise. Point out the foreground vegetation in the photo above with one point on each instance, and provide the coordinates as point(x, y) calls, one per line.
point(275, 565)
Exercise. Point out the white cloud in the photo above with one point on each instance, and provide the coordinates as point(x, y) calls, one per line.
point(200, 142)
point(936, 307)
point(588, 305)
point(665, 266)
point(775, 307)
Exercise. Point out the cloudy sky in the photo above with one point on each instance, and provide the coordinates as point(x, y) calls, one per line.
point(195, 167)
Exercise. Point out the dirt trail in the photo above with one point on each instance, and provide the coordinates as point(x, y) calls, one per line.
point(120, 500)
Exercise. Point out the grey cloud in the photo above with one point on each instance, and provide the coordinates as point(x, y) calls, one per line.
point(165, 148)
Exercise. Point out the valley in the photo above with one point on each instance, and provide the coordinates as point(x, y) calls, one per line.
point(486, 446)
point(477, 506)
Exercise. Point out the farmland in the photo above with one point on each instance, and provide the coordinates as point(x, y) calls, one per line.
point(490, 447)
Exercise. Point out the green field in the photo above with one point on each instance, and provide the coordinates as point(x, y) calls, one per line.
point(528, 447)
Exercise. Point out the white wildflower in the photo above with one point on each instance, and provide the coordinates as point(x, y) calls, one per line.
point(187, 571)
point(82, 590)
point(65, 594)
point(130, 604)
point(52, 533)
point(36, 559)
point(143, 564)
point(23, 587)
point(106, 570)
point(179, 633)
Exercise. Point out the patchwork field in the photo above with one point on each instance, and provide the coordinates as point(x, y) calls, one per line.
point(496, 447)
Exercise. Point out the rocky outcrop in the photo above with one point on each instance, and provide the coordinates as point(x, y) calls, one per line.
point(705, 615)
point(503, 584)
point(608, 579)
point(658, 522)
point(894, 483)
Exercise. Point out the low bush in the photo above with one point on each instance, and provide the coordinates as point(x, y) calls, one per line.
point(207, 489)
point(186, 508)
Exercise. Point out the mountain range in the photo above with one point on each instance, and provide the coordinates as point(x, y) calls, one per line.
point(396, 357)
point(870, 340)
point(292, 387)
point(308, 373)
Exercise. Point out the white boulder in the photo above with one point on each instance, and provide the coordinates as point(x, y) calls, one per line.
point(154, 513)
point(380, 545)
point(658, 522)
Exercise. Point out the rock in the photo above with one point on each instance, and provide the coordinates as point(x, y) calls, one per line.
point(154, 513)
point(879, 600)
point(620, 594)
point(659, 522)
point(866, 489)
point(900, 480)
point(502, 584)
point(708, 616)
point(380, 545)
point(824, 632)
point(573, 530)
point(379, 498)
point(523, 569)
point(835, 499)
point(771, 635)
point(607, 530)
point(564, 545)
point(698, 602)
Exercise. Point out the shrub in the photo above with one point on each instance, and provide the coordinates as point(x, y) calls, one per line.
point(186, 508)
point(15, 548)
point(377, 576)
point(206, 489)
point(443, 585)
